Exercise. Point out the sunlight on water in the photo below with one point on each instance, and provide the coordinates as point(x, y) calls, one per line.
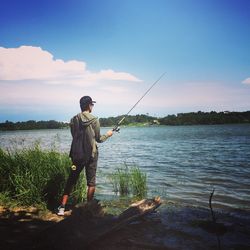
point(183, 163)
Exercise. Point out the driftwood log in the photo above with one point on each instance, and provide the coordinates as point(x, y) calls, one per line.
point(88, 225)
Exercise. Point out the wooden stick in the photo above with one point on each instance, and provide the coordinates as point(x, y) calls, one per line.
point(210, 205)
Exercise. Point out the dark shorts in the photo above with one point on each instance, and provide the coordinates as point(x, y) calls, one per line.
point(77, 167)
point(90, 170)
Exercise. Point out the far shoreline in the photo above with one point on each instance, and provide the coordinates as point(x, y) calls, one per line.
point(142, 120)
point(130, 126)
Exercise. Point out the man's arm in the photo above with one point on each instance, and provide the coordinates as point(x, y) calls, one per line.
point(98, 137)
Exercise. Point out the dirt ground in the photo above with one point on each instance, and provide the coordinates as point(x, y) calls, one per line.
point(19, 225)
point(172, 227)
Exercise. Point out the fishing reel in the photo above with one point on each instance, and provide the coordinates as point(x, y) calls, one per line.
point(116, 129)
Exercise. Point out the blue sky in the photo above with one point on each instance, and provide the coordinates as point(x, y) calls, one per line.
point(53, 52)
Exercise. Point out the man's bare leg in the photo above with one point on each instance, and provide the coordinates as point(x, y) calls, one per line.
point(90, 193)
point(65, 199)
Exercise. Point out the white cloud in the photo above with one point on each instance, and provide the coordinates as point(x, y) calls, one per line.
point(34, 63)
point(194, 96)
point(33, 81)
point(246, 81)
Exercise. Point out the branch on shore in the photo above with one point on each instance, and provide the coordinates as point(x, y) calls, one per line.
point(88, 225)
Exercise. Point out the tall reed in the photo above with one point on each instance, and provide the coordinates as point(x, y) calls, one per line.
point(138, 182)
point(120, 180)
point(129, 180)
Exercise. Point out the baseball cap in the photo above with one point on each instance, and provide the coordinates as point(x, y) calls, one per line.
point(86, 100)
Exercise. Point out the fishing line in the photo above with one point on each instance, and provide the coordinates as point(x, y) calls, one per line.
point(116, 128)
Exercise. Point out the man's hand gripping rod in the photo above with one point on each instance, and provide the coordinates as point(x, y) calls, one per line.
point(117, 128)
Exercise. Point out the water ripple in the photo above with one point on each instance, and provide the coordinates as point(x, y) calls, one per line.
point(182, 163)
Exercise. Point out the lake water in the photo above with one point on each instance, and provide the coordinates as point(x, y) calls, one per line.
point(182, 163)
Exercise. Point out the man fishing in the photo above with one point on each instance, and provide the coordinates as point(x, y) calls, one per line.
point(85, 130)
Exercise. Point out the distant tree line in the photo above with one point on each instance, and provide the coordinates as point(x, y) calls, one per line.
point(7, 125)
point(206, 118)
point(130, 119)
point(192, 118)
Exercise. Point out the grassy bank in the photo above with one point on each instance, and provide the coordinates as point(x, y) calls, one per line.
point(33, 176)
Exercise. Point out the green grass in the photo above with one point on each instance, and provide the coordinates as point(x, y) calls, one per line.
point(138, 182)
point(120, 180)
point(80, 192)
point(129, 180)
point(33, 176)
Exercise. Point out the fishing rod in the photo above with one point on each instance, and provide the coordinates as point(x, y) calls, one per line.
point(116, 128)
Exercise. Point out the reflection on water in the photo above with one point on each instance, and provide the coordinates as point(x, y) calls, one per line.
point(183, 163)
